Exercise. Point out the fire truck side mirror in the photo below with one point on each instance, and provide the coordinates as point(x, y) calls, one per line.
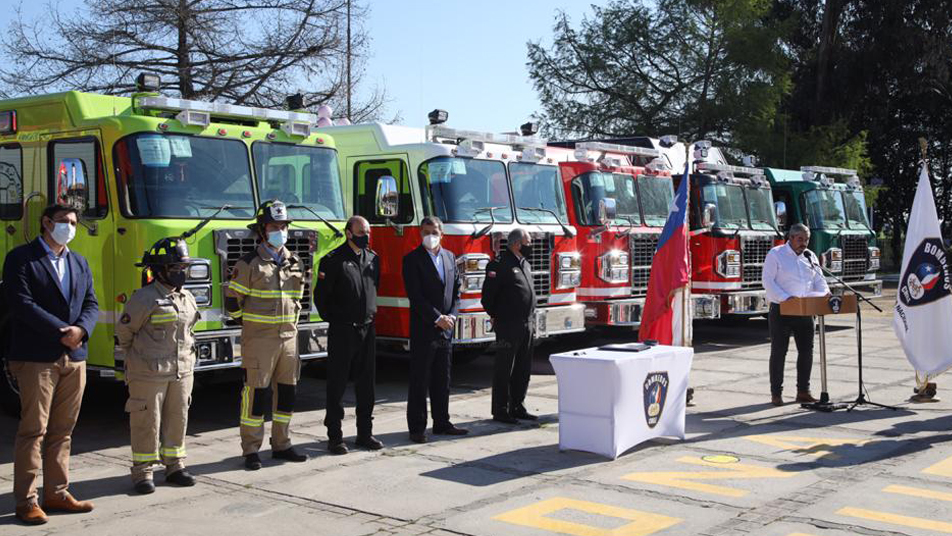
point(607, 210)
point(388, 198)
point(781, 208)
point(708, 214)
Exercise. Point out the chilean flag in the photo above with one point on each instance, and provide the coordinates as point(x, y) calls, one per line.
point(670, 271)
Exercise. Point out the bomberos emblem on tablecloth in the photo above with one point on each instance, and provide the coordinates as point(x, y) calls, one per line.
point(656, 392)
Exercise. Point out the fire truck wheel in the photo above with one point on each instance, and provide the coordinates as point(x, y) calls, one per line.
point(9, 393)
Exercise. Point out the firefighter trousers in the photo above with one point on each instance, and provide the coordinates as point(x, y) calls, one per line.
point(158, 418)
point(272, 369)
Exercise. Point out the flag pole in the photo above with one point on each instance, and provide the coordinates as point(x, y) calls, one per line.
point(687, 321)
point(922, 382)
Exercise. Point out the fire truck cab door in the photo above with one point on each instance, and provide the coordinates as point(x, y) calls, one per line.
point(11, 196)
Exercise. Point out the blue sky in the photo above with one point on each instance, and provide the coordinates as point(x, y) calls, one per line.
point(465, 57)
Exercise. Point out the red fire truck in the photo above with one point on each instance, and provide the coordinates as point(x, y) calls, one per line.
point(481, 185)
point(618, 199)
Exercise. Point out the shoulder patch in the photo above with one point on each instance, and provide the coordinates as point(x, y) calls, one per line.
point(125, 318)
point(490, 274)
point(321, 275)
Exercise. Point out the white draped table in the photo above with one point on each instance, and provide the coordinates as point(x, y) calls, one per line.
point(612, 400)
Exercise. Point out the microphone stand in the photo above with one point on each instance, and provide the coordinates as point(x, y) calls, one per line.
point(860, 396)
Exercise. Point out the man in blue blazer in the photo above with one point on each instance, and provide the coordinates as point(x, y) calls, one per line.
point(53, 310)
point(433, 287)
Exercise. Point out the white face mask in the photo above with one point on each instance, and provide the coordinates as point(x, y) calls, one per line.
point(277, 239)
point(431, 241)
point(63, 233)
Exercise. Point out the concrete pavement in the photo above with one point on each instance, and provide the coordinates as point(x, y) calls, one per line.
point(745, 468)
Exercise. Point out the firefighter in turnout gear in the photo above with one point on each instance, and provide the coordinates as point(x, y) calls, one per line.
point(155, 334)
point(264, 294)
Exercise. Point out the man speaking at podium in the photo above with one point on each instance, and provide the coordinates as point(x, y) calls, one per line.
point(792, 271)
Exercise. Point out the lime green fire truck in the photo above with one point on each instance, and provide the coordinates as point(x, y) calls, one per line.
point(149, 166)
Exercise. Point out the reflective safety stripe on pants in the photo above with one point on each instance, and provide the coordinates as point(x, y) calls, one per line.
point(272, 369)
point(158, 409)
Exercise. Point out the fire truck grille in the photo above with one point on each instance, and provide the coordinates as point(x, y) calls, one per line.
point(754, 250)
point(540, 261)
point(643, 247)
point(232, 244)
point(855, 251)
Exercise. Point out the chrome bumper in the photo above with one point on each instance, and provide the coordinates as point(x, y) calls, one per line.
point(744, 303)
point(623, 312)
point(475, 328)
point(705, 306)
point(872, 287)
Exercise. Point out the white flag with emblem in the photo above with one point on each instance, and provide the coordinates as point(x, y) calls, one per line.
point(923, 315)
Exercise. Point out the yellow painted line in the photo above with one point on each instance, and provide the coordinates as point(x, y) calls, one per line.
point(895, 519)
point(534, 515)
point(811, 446)
point(688, 479)
point(919, 492)
point(943, 468)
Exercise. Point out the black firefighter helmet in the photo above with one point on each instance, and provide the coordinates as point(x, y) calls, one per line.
point(165, 252)
point(270, 212)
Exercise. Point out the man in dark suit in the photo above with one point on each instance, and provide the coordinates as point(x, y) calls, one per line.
point(509, 299)
point(53, 310)
point(433, 286)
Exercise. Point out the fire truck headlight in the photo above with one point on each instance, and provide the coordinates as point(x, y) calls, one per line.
point(833, 260)
point(874, 257)
point(613, 266)
point(473, 283)
point(203, 295)
point(472, 262)
point(570, 261)
point(727, 264)
point(198, 272)
point(569, 280)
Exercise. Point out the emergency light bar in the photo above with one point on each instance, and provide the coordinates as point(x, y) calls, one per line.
point(828, 170)
point(709, 166)
point(224, 110)
point(439, 131)
point(616, 148)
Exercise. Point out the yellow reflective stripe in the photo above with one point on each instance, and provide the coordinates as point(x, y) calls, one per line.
point(277, 294)
point(284, 418)
point(236, 314)
point(269, 319)
point(163, 318)
point(239, 288)
point(145, 456)
point(173, 452)
point(245, 418)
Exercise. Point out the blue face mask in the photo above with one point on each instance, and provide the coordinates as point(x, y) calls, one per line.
point(277, 239)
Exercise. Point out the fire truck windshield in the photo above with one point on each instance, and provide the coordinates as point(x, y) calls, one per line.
point(656, 196)
point(299, 175)
point(466, 190)
point(731, 209)
point(175, 176)
point(825, 209)
point(535, 186)
point(855, 203)
point(760, 202)
point(590, 188)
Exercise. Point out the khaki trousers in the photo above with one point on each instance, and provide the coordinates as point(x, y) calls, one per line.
point(158, 417)
point(50, 395)
point(272, 369)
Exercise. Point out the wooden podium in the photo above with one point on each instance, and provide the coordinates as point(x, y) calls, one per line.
point(820, 307)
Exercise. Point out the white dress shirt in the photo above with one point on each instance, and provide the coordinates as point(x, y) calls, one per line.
point(437, 259)
point(788, 275)
point(60, 266)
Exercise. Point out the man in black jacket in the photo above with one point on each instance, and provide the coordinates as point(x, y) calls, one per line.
point(53, 310)
point(346, 297)
point(509, 299)
point(433, 287)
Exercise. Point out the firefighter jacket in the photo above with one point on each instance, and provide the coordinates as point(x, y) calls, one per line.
point(155, 332)
point(508, 290)
point(265, 294)
point(346, 291)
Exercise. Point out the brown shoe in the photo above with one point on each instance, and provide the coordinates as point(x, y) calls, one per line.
point(67, 504)
point(776, 400)
point(805, 398)
point(31, 514)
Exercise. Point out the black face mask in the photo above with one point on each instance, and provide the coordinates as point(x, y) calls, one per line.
point(361, 241)
point(526, 250)
point(173, 279)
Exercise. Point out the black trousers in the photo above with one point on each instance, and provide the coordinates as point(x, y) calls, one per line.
point(429, 372)
point(351, 356)
point(512, 368)
point(780, 329)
